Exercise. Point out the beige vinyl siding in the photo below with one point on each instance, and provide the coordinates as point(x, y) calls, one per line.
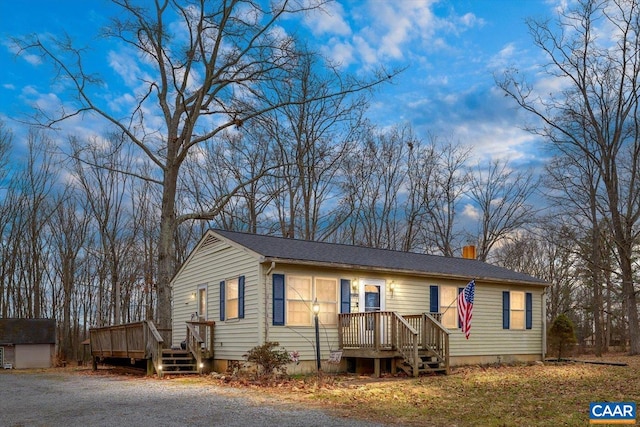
point(210, 266)
point(412, 296)
point(302, 338)
point(214, 262)
point(487, 336)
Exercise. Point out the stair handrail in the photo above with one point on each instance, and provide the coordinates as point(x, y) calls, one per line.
point(154, 346)
point(407, 342)
point(436, 338)
point(194, 344)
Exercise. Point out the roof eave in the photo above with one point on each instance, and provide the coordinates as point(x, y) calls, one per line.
point(397, 270)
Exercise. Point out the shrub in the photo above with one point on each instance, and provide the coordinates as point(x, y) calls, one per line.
point(561, 334)
point(269, 360)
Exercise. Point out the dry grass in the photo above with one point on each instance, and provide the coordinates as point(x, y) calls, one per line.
point(538, 395)
point(549, 395)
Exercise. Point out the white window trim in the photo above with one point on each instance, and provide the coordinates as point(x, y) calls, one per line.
point(204, 315)
point(336, 296)
point(227, 299)
point(453, 307)
point(513, 311)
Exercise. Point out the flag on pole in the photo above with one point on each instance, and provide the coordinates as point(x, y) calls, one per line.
point(465, 306)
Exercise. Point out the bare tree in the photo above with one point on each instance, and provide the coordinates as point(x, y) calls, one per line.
point(198, 77)
point(501, 195)
point(311, 141)
point(69, 231)
point(595, 112)
point(443, 193)
point(375, 173)
point(105, 191)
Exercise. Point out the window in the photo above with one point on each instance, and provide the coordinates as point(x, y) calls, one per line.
point(449, 306)
point(232, 298)
point(516, 315)
point(202, 302)
point(517, 310)
point(326, 293)
point(299, 300)
point(444, 300)
point(299, 294)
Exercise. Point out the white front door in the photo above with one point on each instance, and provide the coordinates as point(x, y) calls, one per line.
point(371, 295)
point(371, 299)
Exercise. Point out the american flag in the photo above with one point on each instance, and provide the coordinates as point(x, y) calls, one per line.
point(465, 307)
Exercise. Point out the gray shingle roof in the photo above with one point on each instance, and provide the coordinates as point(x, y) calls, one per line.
point(304, 251)
point(27, 331)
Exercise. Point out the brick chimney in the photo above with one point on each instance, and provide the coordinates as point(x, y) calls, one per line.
point(469, 252)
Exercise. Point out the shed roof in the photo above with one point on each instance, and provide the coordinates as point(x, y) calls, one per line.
point(273, 248)
point(27, 331)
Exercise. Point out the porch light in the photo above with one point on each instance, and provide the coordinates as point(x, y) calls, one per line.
point(392, 286)
point(354, 285)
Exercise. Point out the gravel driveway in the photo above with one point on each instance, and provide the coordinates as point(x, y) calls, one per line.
point(67, 398)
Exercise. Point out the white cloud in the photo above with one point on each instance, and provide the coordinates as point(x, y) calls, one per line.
point(28, 57)
point(341, 53)
point(387, 30)
point(327, 19)
point(9, 86)
point(503, 58)
point(470, 212)
point(125, 65)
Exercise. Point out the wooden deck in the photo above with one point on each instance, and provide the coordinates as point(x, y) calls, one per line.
point(143, 341)
point(414, 343)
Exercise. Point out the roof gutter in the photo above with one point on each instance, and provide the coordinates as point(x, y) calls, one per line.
point(398, 271)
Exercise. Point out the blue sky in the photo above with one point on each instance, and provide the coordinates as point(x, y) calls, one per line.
point(452, 50)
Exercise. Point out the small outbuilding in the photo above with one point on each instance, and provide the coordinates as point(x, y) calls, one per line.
point(27, 343)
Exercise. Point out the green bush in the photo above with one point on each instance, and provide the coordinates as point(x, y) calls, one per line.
point(269, 360)
point(561, 335)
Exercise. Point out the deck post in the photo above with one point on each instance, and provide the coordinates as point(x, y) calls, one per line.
point(376, 331)
point(376, 367)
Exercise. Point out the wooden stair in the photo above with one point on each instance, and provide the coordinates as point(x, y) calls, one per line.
point(180, 362)
point(429, 363)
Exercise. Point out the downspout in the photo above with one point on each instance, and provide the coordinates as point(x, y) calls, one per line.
point(544, 323)
point(266, 301)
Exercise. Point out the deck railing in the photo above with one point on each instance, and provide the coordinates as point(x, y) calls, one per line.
point(407, 343)
point(127, 341)
point(154, 345)
point(389, 331)
point(200, 340)
point(433, 336)
point(139, 340)
point(371, 330)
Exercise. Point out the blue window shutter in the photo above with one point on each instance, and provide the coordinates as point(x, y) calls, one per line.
point(241, 297)
point(528, 310)
point(505, 310)
point(345, 296)
point(278, 299)
point(222, 302)
point(434, 304)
